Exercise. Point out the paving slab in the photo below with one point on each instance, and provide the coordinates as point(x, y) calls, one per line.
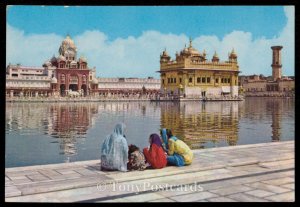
point(224, 173)
point(242, 197)
point(284, 197)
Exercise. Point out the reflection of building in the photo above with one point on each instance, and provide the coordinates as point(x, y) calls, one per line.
point(276, 84)
point(200, 123)
point(71, 122)
point(191, 75)
point(57, 75)
point(65, 122)
point(276, 107)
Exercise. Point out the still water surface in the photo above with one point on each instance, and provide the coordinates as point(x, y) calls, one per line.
point(43, 133)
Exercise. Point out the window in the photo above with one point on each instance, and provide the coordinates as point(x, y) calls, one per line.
point(222, 80)
point(225, 80)
point(180, 80)
point(198, 80)
point(203, 80)
point(174, 80)
point(208, 79)
point(217, 80)
point(228, 80)
point(163, 81)
point(171, 80)
point(190, 80)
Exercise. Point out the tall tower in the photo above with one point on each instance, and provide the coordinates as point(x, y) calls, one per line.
point(276, 62)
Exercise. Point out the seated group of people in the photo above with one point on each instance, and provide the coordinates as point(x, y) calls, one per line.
point(162, 151)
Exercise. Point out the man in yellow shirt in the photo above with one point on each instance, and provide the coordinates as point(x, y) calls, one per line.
point(179, 153)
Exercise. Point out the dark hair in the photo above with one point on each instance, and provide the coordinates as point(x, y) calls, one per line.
point(169, 133)
point(132, 148)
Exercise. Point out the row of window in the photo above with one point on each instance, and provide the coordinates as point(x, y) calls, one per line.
point(199, 80)
point(82, 66)
point(27, 83)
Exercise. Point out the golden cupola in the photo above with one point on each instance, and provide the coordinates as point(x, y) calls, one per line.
point(164, 57)
point(215, 57)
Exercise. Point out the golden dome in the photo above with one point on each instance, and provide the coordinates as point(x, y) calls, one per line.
point(165, 53)
point(191, 51)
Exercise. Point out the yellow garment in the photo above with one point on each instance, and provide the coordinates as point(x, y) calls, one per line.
point(182, 149)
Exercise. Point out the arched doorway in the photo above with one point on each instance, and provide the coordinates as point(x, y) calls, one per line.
point(62, 89)
point(73, 87)
point(84, 89)
point(73, 83)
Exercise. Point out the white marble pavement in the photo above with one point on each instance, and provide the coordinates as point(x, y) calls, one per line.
point(256, 173)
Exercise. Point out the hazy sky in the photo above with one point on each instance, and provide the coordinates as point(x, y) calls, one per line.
point(126, 41)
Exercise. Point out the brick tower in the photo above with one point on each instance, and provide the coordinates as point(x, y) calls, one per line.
point(276, 62)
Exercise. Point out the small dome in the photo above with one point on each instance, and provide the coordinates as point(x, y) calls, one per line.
point(53, 59)
point(233, 54)
point(215, 55)
point(61, 58)
point(82, 59)
point(73, 62)
point(192, 50)
point(165, 54)
point(53, 80)
point(95, 81)
point(47, 63)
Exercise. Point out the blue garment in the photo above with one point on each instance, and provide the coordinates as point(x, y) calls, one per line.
point(175, 159)
point(164, 137)
point(114, 150)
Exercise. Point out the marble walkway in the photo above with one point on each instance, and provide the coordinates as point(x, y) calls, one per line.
point(256, 173)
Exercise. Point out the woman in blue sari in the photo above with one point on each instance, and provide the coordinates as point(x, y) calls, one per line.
point(114, 150)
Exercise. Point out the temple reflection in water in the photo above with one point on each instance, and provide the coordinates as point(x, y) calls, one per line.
point(67, 123)
point(62, 132)
point(198, 123)
point(70, 123)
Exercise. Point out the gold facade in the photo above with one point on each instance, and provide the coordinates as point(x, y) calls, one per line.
point(191, 71)
point(198, 124)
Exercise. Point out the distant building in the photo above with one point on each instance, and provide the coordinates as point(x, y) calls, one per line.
point(128, 85)
point(192, 75)
point(59, 75)
point(275, 85)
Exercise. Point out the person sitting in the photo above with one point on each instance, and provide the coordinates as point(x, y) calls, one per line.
point(179, 153)
point(136, 159)
point(114, 150)
point(155, 155)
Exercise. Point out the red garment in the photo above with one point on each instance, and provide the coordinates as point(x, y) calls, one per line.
point(155, 156)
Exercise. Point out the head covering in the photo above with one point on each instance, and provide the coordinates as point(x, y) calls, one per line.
point(119, 129)
point(114, 150)
point(164, 136)
point(155, 139)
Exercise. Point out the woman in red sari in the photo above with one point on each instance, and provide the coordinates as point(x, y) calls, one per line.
point(155, 155)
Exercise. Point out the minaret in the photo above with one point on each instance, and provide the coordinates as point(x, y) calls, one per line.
point(276, 62)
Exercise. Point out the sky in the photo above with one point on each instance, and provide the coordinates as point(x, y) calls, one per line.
point(126, 41)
